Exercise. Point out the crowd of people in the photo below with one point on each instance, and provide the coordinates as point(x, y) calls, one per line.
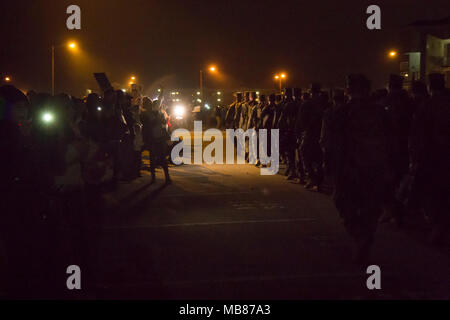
point(383, 154)
point(59, 153)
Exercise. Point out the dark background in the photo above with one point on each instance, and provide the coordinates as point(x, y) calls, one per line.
point(167, 42)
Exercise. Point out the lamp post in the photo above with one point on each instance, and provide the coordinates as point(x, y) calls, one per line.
point(280, 78)
point(72, 46)
point(211, 69)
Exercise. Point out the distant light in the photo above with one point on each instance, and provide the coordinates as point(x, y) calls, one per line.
point(212, 69)
point(124, 90)
point(283, 76)
point(177, 92)
point(47, 117)
point(257, 92)
point(99, 108)
point(198, 93)
point(159, 90)
point(392, 54)
point(406, 75)
point(199, 100)
point(219, 93)
point(179, 111)
point(172, 93)
point(219, 100)
point(133, 78)
point(72, 45)
point(206, 106)
point(277, 77)
point(7, 79)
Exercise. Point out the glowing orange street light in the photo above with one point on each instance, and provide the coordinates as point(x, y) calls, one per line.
point(7, 79)
point(133, 78)
point(72, 46)
point(392, 54)
point(211, 69)
point(280, 78)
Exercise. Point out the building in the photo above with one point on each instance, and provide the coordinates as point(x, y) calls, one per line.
point(427, 49)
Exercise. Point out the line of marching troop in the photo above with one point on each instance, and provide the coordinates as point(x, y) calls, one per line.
point(384, 154)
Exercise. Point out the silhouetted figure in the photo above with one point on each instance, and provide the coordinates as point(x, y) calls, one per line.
point(430, 155)
point(362, 164)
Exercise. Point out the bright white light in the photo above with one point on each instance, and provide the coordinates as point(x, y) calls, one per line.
point(199, 100)
point(219, 100)
point(99, 108)
point(206, 106)
point(198, 93)
point(219, 93)
point(179, 110)
point(47, 117)
point(124, 90)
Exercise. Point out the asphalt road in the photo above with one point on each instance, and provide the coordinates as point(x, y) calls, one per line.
point(227, 232)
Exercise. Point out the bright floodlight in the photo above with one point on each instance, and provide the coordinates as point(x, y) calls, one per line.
point(72, 45)
point(283, 75)
point(179, 110)
point(47, 117)
point(277, 77)
point(212, 69)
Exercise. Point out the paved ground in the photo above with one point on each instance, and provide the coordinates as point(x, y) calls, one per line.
point(226, 232)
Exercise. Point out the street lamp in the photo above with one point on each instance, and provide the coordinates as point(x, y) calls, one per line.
point(280, 78)
point(392, 54)
point(211, 69)
point(7, 79)
point(72, 46)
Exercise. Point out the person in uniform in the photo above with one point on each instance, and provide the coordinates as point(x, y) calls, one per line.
point(254, 119)
point(267, 121)
point(242, 116)
point(429, 148)
point(287, 132)
point(310, 125)
point(327, 136)
point(298, 99)
point(362, 164)
point(400, 111)
point(232, 110)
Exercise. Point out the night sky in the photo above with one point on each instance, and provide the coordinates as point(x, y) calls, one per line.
point(168, 42)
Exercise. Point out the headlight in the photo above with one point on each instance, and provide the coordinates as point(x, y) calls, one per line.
point(179, 111)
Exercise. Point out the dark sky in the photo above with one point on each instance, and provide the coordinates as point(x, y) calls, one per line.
point(169, 41)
